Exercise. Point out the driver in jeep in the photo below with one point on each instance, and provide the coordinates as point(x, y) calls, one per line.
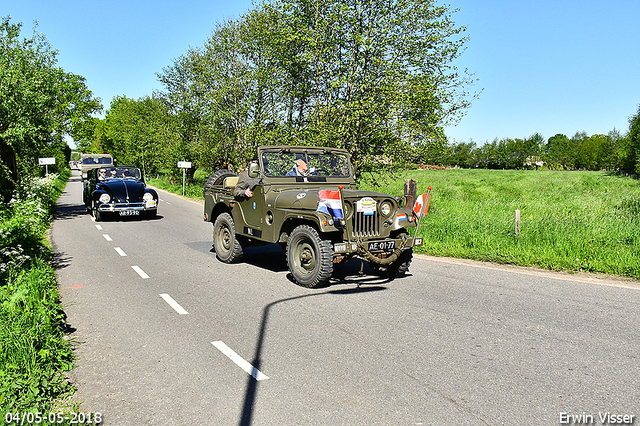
point(301, 168)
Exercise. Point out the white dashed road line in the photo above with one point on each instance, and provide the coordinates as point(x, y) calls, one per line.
point(140, 272)
point(107, 237)
point(240, 362)
point(120, 251)
point(99, 227)
point(175, 305)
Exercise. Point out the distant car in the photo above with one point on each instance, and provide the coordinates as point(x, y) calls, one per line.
point(118, 191)
point(94, 161)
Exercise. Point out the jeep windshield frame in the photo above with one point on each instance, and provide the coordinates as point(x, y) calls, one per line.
point(321, 164)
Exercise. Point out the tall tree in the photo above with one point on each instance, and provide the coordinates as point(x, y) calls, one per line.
point(141, 133)
point(27, 95)
point(40, 104)
point(375, 77)
point(633, 159)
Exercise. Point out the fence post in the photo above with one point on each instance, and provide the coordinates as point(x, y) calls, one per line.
point(517, 221)
point(410, 192)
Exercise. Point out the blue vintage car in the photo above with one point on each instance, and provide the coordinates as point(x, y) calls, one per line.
point(119, 191)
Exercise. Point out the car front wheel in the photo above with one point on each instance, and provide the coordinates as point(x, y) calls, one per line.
point(309, 257)
point(98, 216)
point(225, 241)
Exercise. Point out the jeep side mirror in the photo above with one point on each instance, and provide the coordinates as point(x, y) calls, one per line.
point(254, 170)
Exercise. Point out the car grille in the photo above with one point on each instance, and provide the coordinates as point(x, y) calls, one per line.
point(366, 225)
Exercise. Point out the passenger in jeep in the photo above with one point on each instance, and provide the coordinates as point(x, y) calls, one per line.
point(244, 187)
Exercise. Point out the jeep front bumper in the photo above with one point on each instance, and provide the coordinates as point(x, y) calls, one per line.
point(377, 246)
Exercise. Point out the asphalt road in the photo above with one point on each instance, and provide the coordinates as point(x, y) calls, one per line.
point(453, 343)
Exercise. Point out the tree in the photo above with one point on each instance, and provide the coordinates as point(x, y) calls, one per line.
point(633, 158)
point(141, 133)
point(375, 77)
point(74, 108)
point(40, 104)
point(27, 96)
point(562, 151)
point(462, 155)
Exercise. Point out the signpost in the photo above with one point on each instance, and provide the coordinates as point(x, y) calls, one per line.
point(45, 161)
point(184, 165)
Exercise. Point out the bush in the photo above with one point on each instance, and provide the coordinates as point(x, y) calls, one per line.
point(34, 352)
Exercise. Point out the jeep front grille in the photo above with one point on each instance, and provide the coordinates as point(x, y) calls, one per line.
point(366, 225)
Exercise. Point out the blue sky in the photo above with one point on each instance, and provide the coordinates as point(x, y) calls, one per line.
point(550, 66)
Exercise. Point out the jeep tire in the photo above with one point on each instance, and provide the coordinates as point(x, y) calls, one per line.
point(226, 243)
point(217, 178)
point(309, 257)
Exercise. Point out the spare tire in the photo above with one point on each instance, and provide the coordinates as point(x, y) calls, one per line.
point(216, 178)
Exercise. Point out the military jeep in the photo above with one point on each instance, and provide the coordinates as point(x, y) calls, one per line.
point(318, 215)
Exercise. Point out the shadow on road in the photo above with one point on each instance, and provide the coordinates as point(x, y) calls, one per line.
point(252, 384)
point(272, 257)
point(68, 211)
point(60, 260)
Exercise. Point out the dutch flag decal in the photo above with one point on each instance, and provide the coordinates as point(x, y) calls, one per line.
point(330, 204)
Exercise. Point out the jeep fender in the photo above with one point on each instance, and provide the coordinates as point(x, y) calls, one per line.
point(295, 219)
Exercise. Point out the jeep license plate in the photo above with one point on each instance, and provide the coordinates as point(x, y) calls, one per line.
point(129, 212)
point(382, 246)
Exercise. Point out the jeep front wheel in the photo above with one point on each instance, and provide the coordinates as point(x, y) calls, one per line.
point(309, 257)
point(225, 241)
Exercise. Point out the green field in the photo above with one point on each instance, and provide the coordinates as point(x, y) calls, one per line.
point(571, 221)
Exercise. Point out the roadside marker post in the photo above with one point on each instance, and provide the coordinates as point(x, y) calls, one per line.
point(184, 165)
point(45, 161)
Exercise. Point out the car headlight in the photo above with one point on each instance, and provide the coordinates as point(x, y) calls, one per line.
point(147, 196)
point(104, 198)
point(385, 208)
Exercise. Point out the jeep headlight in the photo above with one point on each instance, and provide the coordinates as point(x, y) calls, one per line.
point(385, 208)
point(147, 196)
point(104, 198)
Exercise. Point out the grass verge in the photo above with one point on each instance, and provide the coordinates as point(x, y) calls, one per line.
point(34, 351)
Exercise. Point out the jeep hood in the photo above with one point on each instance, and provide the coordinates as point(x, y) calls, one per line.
point(307, 199)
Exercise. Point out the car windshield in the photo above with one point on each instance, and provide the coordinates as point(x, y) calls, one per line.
point(292, 163)
point(107, 173)
point(97, 160)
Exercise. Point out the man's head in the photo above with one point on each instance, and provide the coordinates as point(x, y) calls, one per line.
point(301, 164)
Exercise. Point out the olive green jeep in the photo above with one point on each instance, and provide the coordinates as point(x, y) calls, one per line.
point(307, 201)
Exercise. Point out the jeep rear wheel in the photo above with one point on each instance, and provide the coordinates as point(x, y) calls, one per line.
point(217, 178)
point(309, 257)
point(225, 241)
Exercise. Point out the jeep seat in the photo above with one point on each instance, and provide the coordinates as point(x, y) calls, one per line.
point(230, 182)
